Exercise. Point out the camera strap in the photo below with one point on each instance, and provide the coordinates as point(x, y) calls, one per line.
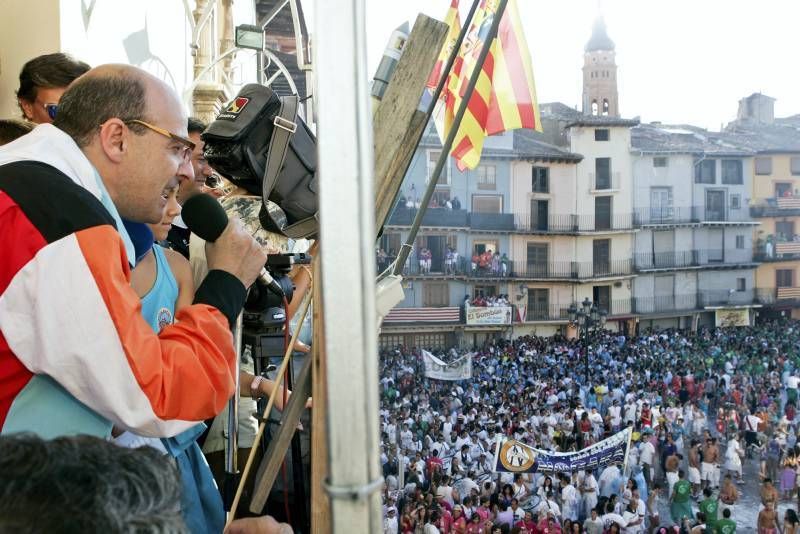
point(285, 124)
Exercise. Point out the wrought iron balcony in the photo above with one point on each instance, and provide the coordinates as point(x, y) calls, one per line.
point(572, 223)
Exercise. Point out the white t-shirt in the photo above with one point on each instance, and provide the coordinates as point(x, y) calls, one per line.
point(646, 453)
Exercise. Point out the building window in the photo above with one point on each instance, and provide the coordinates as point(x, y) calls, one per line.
point(659, 162)
point(434, 341)
point(538, 304)
point(736, 202)
point(486, 177)
point(794, 166)
point(387, 341)
point(605, 103)
point(732, 172)
point(784, 278)
point(783, 189)
point(764, 166)
point(602, 169)
point(705, 172)
point(739, 241)
point(784, 230)
point(601, 134)
point(741, 284)
point(485, 291)
point(435, 295)
point(487, 204)
point(433, 157)
point(540, 180)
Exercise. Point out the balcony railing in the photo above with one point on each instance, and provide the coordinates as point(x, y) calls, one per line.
point(665, 303)
point(492, 221)
point(691, 258)
point(560, 312)
point(608, 182)
point(775, 207)
point(726, 297)
point(778, 251)
point(438, 217)
point(685, 215)
point(438, 268)
point(571, 270)
point(569, 223)
point(553, 312)
point(779, 295)
point(721, 214)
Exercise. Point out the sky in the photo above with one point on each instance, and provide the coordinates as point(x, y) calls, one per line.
point(679, 61)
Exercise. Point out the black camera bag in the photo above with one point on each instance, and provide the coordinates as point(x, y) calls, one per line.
point(261, 144)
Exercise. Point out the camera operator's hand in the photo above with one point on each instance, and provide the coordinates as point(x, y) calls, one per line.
point(236, 252)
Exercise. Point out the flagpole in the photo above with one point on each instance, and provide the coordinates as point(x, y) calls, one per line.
point(451, 135)
point(627, 451)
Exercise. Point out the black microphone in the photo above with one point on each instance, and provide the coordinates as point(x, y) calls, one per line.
point(206, 218)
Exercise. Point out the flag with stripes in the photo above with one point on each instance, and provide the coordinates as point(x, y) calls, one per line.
point(505, 96)
point(442, 112)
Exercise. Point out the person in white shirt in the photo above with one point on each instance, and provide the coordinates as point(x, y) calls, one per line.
point(589, 489)
point(646, 454)
point(390, 522)
point(615, 415)
point(569, 498)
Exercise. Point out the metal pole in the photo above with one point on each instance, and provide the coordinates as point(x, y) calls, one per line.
point(586, 350)
point(347, 228)
point(451, 136)
point(231, 465)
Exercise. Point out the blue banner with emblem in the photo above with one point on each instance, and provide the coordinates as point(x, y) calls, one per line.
point(512, 456)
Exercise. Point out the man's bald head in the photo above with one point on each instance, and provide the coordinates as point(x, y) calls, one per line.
point(130, 126)
point(109, 91)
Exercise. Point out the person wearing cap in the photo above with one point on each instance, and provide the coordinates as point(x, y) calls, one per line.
point(390, 525)
point(459, 521)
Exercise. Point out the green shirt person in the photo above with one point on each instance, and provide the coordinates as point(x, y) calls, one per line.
point(726, 525)
point(709, 507)
point(680, 506)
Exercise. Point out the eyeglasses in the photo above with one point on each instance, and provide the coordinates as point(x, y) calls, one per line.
point(51, 110)
point(188, 145)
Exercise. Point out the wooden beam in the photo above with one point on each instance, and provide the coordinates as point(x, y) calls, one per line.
point(279, 444)
point(320, 503)
point(397, 123)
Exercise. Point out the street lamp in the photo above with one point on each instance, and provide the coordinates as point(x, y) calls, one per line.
point(588, 317)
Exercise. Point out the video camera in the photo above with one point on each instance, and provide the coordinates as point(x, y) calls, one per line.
point(260, 143)
point(265, 309)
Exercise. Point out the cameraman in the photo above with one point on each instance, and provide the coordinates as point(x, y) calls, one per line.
point(78, 356)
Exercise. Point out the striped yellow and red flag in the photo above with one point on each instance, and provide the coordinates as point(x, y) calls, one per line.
point(443, 113)
point(505, 96)
point(453, 21)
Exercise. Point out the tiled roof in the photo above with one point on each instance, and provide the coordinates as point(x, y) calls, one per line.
point(783, 135)
point(658, 138)
point(529, 144)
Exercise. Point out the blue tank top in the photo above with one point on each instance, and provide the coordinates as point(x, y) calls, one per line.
point(201, 503)
point(158, 305)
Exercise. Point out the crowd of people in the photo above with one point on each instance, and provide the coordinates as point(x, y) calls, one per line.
point(487, 263)
point(488, 301)
point(701, 407)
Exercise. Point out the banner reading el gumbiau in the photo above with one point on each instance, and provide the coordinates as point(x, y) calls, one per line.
point(460, 369)
point(512, 456)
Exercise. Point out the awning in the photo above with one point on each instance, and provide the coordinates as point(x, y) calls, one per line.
point(397, 316)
